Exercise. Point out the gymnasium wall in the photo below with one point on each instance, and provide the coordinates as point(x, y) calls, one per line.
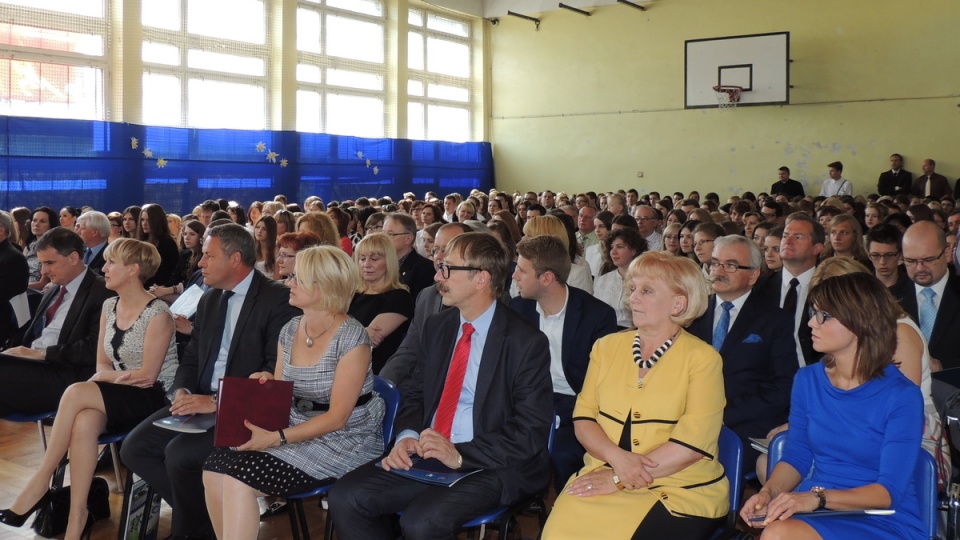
point(587, 102)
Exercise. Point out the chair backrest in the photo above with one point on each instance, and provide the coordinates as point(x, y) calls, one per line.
point(731, 457)
point(775, 452)
point(391, 398)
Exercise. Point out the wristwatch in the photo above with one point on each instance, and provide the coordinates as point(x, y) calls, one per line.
point(821, 496)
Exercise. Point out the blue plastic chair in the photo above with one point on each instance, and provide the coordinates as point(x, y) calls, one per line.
point(31, 418)
point(298, 519)
point(731, 457)
point(111, 440)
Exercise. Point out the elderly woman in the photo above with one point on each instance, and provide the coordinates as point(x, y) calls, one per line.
point(326, 354)
point(287, 247)
point(856, 416)
point(650, 469)
point(623, 246)
point(382, 304)
point(136, 362)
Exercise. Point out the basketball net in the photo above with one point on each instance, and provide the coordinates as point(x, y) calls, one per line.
point(727, 96)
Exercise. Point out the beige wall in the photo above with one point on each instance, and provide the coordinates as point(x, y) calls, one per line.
point(586, 103)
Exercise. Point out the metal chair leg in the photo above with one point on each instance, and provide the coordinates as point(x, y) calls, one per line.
point(116, 466)
point(43, 434)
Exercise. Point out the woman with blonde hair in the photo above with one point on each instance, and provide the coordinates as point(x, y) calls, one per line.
point(382, 303)
point(846, 240)
point(580, 276)
point(671, 239)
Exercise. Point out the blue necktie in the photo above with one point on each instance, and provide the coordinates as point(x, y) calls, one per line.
point(928, 312)
point(723, 325)
point(87, 256)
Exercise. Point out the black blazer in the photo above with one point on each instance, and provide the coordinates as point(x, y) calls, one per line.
point(587, 320)
point(791, 188)
point(945, 339)
point(416, 272)
point(513, 404)
point(14, 276)
point(265, 311)
point(759, 362)
point(97, 262)
point(895, 184)
point(769, 288)
point(76, 347)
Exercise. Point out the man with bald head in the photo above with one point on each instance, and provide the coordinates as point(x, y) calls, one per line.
point(932, 295)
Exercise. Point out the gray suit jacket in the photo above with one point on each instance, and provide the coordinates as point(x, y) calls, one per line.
point(399, 368)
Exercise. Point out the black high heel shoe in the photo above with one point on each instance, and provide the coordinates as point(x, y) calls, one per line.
point(88, 527)
point(9, 517)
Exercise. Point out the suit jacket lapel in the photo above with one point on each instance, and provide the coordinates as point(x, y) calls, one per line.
point(246, 312)
point(947, 312)
point(489, 360)
point(571, 325)
point(76, 306)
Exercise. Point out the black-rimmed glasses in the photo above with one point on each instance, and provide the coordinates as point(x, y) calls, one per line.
point(820, 315)
point(728, 267)
point(445, 269)
point(925, 261)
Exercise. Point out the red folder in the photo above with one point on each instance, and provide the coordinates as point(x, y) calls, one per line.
point(266, 405)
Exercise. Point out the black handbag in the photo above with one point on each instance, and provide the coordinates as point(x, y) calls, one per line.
point(52, 517)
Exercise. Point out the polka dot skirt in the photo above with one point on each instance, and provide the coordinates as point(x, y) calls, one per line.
point(262, 472)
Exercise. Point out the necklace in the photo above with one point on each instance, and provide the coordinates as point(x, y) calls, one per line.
point(311, 338)
point(657, 354)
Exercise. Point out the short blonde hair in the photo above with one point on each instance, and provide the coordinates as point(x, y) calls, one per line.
point(547, 226)
point(837, 266)
point(379, 244)
point(128, 251)
point(331, 270)
point(683, 276)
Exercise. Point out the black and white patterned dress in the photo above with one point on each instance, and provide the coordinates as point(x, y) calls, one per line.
point(306, 465)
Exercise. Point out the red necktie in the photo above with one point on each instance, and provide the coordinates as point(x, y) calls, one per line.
point(454, 384)
point(52, 310)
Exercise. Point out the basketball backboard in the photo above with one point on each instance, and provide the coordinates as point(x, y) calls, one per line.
point(760, 63)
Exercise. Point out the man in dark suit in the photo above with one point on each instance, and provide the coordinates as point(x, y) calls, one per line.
point(14, 276)
point(754, 338)
point(59, 347)
point(235, 334)
point(480, 399)
point(786, 185)
point(932, 295)
point(788, 287)
point(416, 271)
point(572, 320)
point(896, 180)
point(94, 228)
point(930, 184)
point(399, 368)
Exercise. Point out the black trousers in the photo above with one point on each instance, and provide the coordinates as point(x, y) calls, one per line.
point(566, 457)
point(660, 523)
point(172, 463)
point(34, 387)
point(360, 499)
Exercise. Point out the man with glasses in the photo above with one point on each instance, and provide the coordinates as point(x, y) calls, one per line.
point(586, 228)
point(932, 295)
point(755, 339)
point(416, 271)
point(772, 212)
point(648, 221)
point(94, 228)
point(481, 398)
point(883, 248)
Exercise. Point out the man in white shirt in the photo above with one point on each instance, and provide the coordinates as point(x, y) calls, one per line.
point(648, 221)
point(586, 229)
point(836, 185)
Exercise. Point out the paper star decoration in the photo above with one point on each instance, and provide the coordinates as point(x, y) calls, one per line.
point(272, 156)
point(161, 163)
point(147, 153)
point(368, 163)
point(283, 163)
point(376, 170)
point(261, 147)
point(360, 155)
point(134, 143)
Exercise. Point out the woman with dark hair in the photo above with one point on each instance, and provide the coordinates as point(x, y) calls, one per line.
point(131, 222)
point(21, 222)
point(68, 217)
point(353, 226)
point(265, 244)
point(506, 202)
point(254, 214)
point(237, 213)
point(622, 247)
point(602, 223)
point(192, 238)
point(341, 220)
point(624, 221)
point(155, 231)
point(675, 216)
point(522, 215)
point(856, 416)
point(429, 236)
point(44, 219)
point(686, 239)
point(507, 218)
point(285, 222)
point(703, 237)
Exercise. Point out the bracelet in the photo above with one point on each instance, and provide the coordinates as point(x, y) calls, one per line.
point(283, 438)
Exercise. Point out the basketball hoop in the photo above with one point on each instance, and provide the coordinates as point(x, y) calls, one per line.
point(727, 96)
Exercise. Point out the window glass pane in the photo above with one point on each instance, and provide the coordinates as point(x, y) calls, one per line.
point(449, 26)
point(448, 58)
point(308, 73)
point(354, 115)
point(350, 38)
point(50, 40)
point(161, 53)
point(415, 50)
point(369, 7)
point(50, 90)
point(415, 124)
point(415, 88)
point(216, 104)
point(453, 93)
point(162, 100)
point(161, 14)
point(448, 123)
point(415, 18)
point(354, 79)
point(226, 63)
point(308, 30)
point(308, 111)
point(240, 20)
point(92, 8)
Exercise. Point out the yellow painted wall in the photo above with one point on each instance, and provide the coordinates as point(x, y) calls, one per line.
point(586, 103)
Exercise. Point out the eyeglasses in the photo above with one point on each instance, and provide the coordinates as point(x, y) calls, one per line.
point(375, 228)
point(645, 218)
point(925, 261)
point(672, 237)
point(445, 269)
point(395, 234)
point(728, 267)
point(820, 315)
point(285, 256)
point(876, 257)
point(702, 242)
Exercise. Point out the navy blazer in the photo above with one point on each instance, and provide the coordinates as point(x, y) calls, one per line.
point(895, 184)
point(416, 272)
point(945, 339)
point(587, 320)
point(769, 288)
point(759, 363)
point(513, 403)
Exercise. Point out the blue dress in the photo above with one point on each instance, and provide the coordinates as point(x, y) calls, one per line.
point(842, 439)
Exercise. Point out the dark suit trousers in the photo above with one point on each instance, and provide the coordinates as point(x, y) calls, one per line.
point(34, 387)
point(360, 499)
point(567, 454)
point(172, 463)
